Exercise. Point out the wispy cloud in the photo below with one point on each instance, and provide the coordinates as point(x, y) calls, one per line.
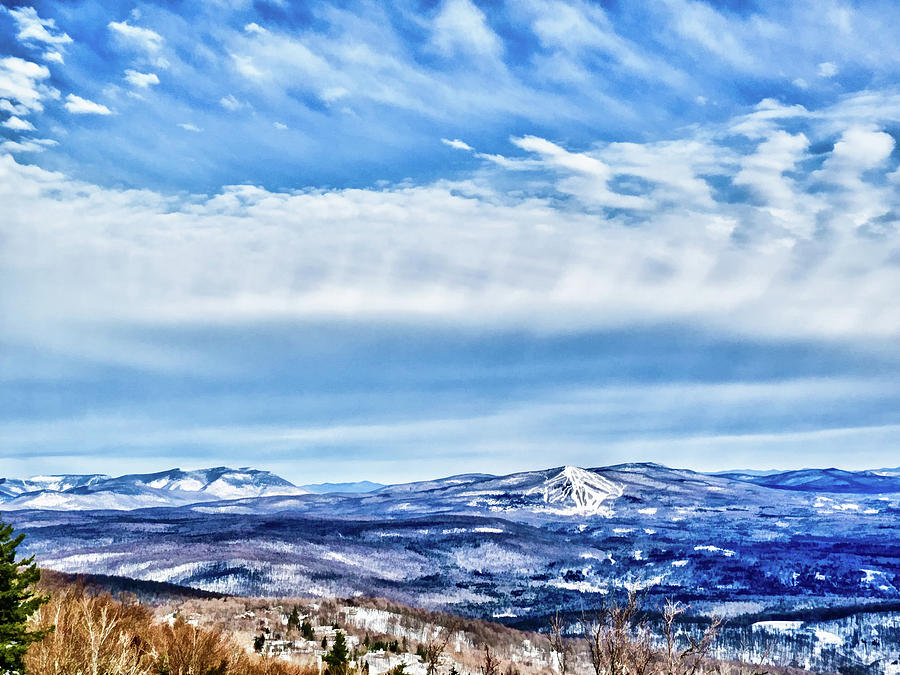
point(456, 143)
point(82, 106)
point(136, 37)
point(141, 80)
point(33, 29)
point(462, 28)
point(18, 124)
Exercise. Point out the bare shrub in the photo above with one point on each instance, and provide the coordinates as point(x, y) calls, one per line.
point(92, 635)
point(688, 659)
point(618, 642)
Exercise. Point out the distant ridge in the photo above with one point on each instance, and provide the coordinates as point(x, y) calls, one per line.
point(824, 480)
point(354, 487)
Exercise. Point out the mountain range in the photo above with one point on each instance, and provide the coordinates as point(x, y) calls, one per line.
point(165, 488)
point(584, 491)
point(515, 547)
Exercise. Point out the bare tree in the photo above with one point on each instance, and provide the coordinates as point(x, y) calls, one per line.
point(436, 645)
point(491, 664)
point(560, 646)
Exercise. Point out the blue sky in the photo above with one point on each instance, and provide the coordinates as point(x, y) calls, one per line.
point(399, 240)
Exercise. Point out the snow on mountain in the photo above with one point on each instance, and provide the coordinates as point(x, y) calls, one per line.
point(12, 487)
point(580, 491)
point(166, 488)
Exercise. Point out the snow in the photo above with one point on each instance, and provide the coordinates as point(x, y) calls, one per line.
point(827, 637)
point(584, 492)
point(779, 625)
point(727, 552)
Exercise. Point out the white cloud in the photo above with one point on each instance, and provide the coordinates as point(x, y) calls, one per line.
point(587, 176)
point(859, 148)
point(857, 202)
point(333, 94)
point(33, 28)
point(461, 27)
point(18, 124)
point(577, 31)
point(827, 69)
point(280, 126)
point(141, 80)
point(27, 145)
point(54, 57)
point(82, 106)
point(456, 143)
point(763, 172)
point(191, 127)
point(254, 28)
point(360, 55)
point(135, 37)
point(21, 84)
point(12, 108)
point(231, 103)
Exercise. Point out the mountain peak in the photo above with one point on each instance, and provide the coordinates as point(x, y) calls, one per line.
point(582, 491)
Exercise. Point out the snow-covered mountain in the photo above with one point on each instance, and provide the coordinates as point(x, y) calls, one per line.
point(564, 491)
point(13, 487)
point(133, 491)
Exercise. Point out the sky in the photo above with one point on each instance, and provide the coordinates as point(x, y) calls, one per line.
point(394, 241)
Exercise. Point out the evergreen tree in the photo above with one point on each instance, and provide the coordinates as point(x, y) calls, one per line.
point(453, 670)
point(259, 642)
point(338, 656)
point(306, 630)
point(18, 601)
point(294, 619)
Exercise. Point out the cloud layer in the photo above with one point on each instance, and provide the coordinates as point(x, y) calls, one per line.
point(769, 237)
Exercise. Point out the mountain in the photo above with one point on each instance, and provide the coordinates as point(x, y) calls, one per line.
point(166, 488)
point(826, 480)
point(359, 486)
